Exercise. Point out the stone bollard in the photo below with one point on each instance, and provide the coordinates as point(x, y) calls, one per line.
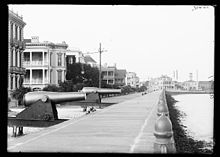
point(20, 131)
point(162, 108)
point(164, 142)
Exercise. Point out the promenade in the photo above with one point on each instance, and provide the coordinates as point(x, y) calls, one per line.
point(126, 127)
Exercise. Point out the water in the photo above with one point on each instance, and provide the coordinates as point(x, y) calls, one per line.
point(198, 116)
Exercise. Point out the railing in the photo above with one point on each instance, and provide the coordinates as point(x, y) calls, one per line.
point(164, 140)
point(36, 81)
point(26, 63)
point(108, 77)
point(33, 63)
point(27, 81)
point(36, 63)
point(17, 43)
point(18, 70)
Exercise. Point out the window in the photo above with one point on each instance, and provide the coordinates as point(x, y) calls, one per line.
point(15, 57)
point(20, 59)
point(59, 60)
point(11, 82)
point(11, 30)
point(16, 81)
point(20, 33)
point(59, 76)
point(11, 57)
point(16, 32)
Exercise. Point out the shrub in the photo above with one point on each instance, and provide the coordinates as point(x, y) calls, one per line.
point(52, 88)
point(19, 93)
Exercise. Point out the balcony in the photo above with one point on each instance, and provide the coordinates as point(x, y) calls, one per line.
point(17, 43)
point(18, 70)
point(34, 63)
point(35, 81)
point(106, 77)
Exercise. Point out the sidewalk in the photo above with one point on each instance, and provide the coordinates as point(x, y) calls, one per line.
point(125, 127)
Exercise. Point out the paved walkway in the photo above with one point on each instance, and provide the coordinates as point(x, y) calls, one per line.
point(126, 127)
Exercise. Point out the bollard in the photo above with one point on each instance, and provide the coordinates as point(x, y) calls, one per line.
point(164, 142)
point(162, 108)
point(20, 131)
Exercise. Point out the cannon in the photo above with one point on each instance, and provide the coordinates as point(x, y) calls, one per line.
point(94, 94)
point(41, 109)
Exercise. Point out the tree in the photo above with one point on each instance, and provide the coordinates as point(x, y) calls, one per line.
point(74, 72)
point(66, 86)
point(90, 76)
point(19, 93)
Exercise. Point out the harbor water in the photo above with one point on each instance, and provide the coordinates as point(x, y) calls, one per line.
point(198, 115)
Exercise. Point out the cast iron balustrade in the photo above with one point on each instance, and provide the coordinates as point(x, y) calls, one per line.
point(18, 70)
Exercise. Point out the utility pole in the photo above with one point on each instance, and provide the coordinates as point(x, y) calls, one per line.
point(100, 66)
point(100, 63)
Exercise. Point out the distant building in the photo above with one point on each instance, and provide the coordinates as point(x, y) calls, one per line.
point(132, 79)
point(163, 82)
point(74, 56)
point(205, 85)
point(120, 76)
point(44, 62)
point(16, 45)
point(190, 85)
point(112, 75)
point(89, 60)
point(108, 74)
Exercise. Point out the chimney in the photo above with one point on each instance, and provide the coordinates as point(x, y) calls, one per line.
point(35, 39)
point(176, 75)
point(190, 76)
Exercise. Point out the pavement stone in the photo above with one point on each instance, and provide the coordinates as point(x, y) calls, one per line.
point(125, 127)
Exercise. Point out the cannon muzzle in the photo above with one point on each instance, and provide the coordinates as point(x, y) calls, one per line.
point(101, 90)
point(55, 97)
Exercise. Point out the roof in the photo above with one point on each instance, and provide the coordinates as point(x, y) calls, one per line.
point(89, 59)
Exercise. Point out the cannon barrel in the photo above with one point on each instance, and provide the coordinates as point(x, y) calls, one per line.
point(101, 90)
point(55, 97)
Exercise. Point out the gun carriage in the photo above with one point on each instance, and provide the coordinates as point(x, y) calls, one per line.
point(41, 109)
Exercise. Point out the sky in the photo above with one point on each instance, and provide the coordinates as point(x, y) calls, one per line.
point(150, 40)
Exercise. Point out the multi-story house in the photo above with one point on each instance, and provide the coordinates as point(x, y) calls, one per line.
point(163, 82)
point(45, 63)
point(89, 60)
point(16, 46)
point(205, 85)
point(132, 79)
point(120, 75)
point(190, 85)
point(112, 75)
point(74, 56)
point(108, 74)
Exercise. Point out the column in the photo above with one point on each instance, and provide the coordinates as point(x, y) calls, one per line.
point(18, 59)
point(18, 33)
point(47, 76)
point(43, 76)
point(30, 58)
point(43, 57)
point(13, 29)
point(18, 78)
point(9, 82)
point(13, 81)
point(63, 58)
point(13, 51)
point(62, 75)
point(30, 76)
